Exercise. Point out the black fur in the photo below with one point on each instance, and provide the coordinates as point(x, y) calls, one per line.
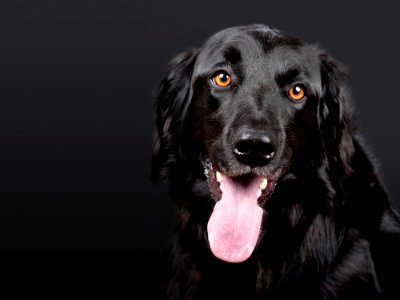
point(329, 230)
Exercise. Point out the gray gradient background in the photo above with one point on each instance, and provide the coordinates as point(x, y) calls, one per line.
point(76, 206)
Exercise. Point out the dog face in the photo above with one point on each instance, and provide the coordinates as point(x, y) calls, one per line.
point(251, 98)
point(249, 105)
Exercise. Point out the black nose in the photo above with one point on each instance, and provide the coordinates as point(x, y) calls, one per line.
point(253, 147)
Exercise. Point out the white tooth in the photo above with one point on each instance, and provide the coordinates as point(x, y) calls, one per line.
point(259, 194)
point(221, 187)
point(219, 177)
point(264, 183)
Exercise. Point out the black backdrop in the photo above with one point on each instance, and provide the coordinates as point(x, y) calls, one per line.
point(76, 206)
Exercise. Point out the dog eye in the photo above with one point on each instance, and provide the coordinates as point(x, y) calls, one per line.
point(222, 79)
point(297, 92)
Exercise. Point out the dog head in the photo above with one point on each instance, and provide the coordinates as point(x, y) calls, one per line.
point(246, 107)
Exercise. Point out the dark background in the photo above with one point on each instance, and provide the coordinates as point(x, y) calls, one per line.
point(76, 206)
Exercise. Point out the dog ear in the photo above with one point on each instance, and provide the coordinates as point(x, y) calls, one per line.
point(172, 100)
point(335, 116)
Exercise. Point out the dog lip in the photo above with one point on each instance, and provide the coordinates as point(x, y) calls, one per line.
point(216, 184)
point(215, 176)
point(244, 180)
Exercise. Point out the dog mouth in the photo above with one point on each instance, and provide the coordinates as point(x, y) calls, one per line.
point(217, 182)
point(235, 223)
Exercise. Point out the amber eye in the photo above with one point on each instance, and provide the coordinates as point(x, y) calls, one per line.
point(297, 92)
point(222, 79)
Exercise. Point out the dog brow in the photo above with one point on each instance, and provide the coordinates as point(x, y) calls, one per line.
point(287, 76)
point(232, 54)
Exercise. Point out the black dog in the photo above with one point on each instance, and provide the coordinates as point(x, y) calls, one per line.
point(275, 196)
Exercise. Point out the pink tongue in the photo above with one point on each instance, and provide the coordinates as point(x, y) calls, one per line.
point(234, 225)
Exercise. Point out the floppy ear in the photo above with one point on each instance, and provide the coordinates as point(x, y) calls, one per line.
point(171, 103)
point(334, 113)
